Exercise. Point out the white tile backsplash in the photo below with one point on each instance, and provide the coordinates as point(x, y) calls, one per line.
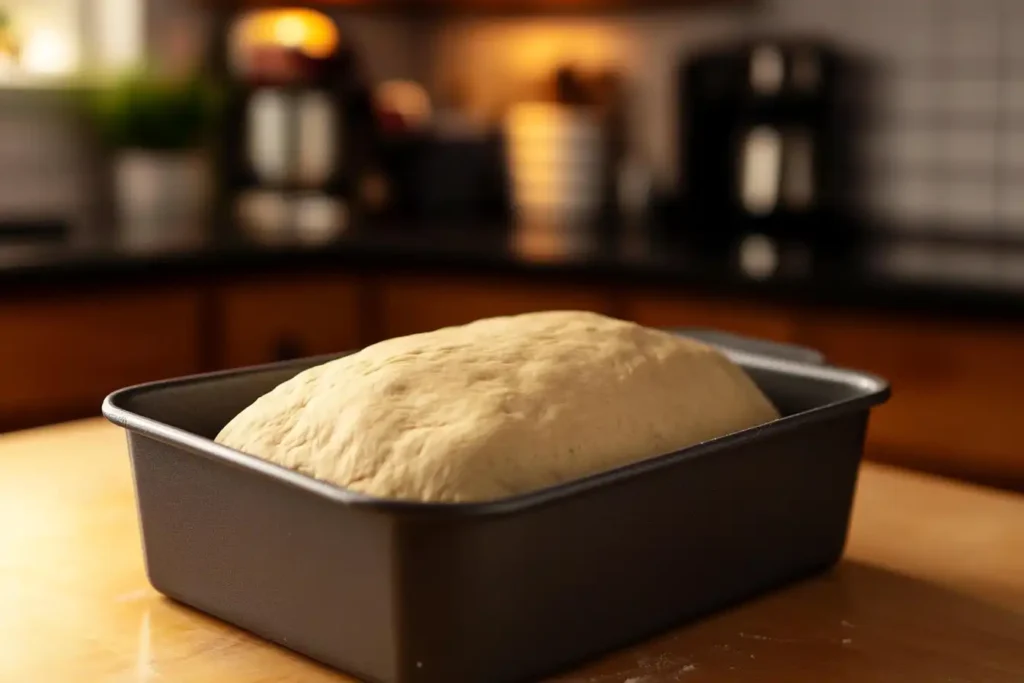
point(968, 205)
point(967, 97)
point(42, 158)
point(1011, 94)
point(969, 148)
point(1010, 204)
point(974, 40)
point(1011, 150)
point(910, 147)
point(910, 96)
point(913, 200)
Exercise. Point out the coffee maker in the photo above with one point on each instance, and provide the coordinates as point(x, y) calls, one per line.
point(767, 137)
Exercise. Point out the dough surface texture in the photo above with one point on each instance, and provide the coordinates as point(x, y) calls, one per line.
point(498, 407)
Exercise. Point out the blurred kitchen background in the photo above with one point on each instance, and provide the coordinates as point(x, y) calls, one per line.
point(189, 185)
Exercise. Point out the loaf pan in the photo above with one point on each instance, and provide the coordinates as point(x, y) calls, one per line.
point(513, 590)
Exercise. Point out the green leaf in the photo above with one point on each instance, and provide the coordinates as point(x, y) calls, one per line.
point(157, 114)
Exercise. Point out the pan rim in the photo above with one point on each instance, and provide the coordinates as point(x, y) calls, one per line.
point(873, 391)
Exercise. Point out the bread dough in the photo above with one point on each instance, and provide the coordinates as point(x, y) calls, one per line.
point(498, 407)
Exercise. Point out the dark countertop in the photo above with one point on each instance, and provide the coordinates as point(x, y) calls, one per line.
point(951, 278)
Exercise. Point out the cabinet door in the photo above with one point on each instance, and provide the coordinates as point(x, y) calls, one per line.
point(957, 391)
point(60, 357)
point(752, 320)
point(285, 318)
point(410, 304)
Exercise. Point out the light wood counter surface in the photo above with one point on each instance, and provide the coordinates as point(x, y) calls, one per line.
point(932, 589)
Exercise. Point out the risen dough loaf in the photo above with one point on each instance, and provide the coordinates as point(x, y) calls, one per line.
point(498, 407)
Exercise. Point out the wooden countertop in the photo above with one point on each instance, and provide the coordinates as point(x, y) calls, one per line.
point(932, 589)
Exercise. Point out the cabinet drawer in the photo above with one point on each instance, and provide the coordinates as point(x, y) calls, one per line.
point(281, 319)
point(419, 304)
point(60, 357)
point(752, 320)
point(956, 391)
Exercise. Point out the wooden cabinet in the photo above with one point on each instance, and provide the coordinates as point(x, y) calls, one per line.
point(60, 357)
point(956, 387)
point(957, 390)
point(681, 310)
point(283, 318)
point(409, 304)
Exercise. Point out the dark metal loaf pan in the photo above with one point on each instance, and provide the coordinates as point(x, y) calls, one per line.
point(498, 592)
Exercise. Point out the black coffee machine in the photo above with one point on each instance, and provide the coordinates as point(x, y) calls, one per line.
point(768, 137)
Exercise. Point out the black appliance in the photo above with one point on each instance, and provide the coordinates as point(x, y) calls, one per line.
point(315, 114)
point(768, 136)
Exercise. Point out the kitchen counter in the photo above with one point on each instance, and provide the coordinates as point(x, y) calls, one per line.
point(931, 590)
point(967, 278)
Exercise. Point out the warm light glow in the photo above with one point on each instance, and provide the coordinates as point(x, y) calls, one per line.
point(535, 50)
point(497, 63)
point(306, 30)
point(407, 98)
point(47, 52)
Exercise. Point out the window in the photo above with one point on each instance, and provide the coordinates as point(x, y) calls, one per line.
point(44, 40)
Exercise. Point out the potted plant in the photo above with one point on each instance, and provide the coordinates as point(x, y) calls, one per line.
point(157, 129)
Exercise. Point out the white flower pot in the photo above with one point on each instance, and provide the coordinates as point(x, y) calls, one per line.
point(161, 196)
